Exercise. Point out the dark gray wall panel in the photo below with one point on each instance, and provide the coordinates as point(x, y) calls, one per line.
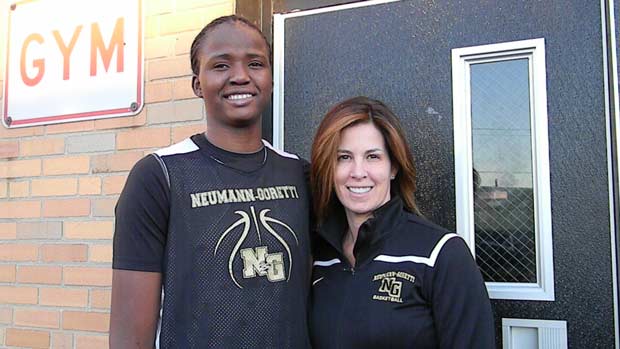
point(400, 53)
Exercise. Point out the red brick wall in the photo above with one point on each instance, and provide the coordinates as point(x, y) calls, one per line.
point(59, 184)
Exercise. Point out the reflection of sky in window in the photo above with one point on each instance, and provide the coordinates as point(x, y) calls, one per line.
point(500, 109)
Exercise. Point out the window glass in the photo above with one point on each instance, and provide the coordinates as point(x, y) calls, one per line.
point(505, 235)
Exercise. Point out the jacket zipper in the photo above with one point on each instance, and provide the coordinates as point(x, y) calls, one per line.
point(349, 269)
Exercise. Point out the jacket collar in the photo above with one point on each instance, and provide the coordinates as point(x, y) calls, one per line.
point(372, 231)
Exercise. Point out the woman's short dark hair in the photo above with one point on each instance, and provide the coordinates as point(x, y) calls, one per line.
point(198, 40)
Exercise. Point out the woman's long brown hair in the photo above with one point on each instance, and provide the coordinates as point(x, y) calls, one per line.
point(325, 146)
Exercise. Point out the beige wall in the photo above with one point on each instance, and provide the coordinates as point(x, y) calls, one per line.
point(59, 184)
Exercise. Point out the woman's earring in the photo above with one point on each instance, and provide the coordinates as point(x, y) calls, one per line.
point(392, 177)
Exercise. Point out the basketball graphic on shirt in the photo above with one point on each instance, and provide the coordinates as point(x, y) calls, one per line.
point(259, 261)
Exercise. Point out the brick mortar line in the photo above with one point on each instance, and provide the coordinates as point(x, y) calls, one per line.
point(49, 307)
point(17, 240)
point(55, 239)
point(41, 239)
point(106, 265)
point(88, 264)
point(53, 286)
point(61, 283)
point(55, 264)
point(39, 286)
point(49, 329)
point(58, 308)
point(117, 130)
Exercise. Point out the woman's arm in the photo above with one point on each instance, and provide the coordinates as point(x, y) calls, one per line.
point(139, 244)
point(136, 298)
point(461, 307)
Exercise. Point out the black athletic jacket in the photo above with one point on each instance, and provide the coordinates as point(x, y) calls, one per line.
point(414, 285)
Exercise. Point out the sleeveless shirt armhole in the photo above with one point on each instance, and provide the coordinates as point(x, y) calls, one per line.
point(141, 218)
point(163, 168)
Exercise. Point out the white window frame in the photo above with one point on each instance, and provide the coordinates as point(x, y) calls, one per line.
point(612, 110)
point(462, 59)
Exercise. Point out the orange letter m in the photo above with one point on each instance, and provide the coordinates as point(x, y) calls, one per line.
point(97, 44)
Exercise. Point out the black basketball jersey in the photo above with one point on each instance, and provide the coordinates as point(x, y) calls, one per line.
point(232, 245)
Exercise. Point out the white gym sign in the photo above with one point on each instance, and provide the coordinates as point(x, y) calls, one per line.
point(70, 60)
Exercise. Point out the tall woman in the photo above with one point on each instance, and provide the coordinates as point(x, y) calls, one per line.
point(384, 277)
point(233, 266)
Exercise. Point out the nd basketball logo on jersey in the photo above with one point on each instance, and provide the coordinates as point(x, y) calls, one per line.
point(257, 261)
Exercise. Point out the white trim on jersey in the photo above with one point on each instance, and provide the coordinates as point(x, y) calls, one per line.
point(326, 263)
point(185, 146)
point(430, 261)
point(280, 152)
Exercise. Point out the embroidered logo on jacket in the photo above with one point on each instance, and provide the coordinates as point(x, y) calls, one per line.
point(391, 285)
point(257, 261)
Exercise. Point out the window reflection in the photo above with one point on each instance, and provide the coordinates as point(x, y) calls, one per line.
point(502, 161)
